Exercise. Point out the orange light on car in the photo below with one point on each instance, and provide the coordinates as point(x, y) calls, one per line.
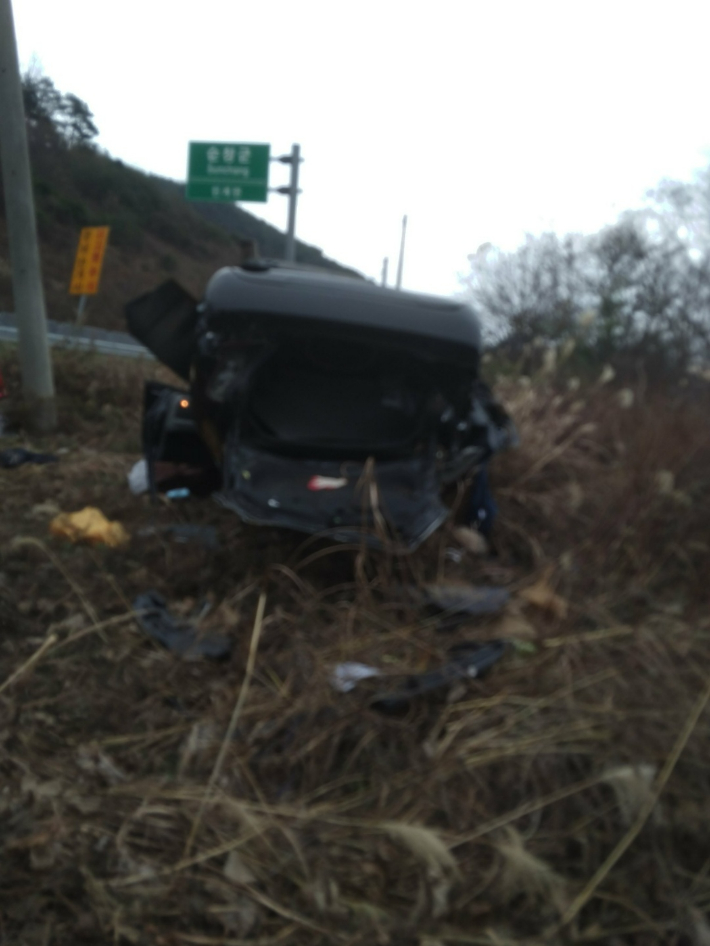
point(184, 402)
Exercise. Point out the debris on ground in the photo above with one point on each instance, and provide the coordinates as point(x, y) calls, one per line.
point(462, 600)
point(345, 677)
point(468, 660)
point(185, 533)
point(138, 479)
point(18, 456)
point(181, 492)
point(181, 636)
point(482, 506)
point(88, 525)
point(560, 799)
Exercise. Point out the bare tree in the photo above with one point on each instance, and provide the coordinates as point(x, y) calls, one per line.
point(648, 287)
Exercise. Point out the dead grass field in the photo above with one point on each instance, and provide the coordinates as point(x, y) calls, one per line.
point(149, 799)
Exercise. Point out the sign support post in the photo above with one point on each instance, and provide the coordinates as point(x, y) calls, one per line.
point(83, 299)
point(292, 192)
point(292, 199)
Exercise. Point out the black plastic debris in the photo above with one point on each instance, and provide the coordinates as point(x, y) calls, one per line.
point(179, 636)
point(469, 660)
point(185, 533)
point(455, 604)
point(17, 456)
point(469, 600)
point(189, 533)
point(482, 506)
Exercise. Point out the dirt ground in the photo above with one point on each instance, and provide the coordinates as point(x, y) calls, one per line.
point(149, 798)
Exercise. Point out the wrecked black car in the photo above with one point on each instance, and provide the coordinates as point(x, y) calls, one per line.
point(316, 402)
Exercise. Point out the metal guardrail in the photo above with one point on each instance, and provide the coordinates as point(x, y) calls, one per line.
point(87, 338)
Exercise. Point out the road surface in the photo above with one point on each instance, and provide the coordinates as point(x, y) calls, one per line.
point(66, 335)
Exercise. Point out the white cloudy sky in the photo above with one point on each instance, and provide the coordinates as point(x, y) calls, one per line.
point(480, 120)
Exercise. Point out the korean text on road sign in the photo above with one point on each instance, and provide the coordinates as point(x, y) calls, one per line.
point(228, 171)
point(89, 260)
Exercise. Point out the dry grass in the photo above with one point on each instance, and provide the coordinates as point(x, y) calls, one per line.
point(561, 799)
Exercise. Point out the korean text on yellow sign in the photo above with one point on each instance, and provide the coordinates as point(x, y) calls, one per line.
point(89, 260)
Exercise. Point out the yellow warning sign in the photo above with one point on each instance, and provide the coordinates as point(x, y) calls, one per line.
point(89, 260)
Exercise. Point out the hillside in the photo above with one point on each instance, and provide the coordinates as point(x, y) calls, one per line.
point(155, 232)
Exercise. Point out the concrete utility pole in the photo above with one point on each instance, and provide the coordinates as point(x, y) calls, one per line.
point(400, 264)
point(35, 360)
point(385, 267)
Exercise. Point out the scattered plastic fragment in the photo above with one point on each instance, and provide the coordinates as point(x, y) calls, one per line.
point(180, 636)
point(185, 533)
point(469, 660)
point(181, 493)
point(138, 481)
point(467, 600)
point(346, 676)
point(17, 456)
point(482, 506)
point(454, 555)
point(88, 525)
point(317, 483)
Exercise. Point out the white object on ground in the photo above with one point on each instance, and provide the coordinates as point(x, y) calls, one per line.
point(138, 478)
point(346, 676)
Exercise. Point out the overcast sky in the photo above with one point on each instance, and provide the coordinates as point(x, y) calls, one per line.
point(480, 120)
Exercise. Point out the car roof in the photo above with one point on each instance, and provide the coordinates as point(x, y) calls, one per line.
point(277, 289)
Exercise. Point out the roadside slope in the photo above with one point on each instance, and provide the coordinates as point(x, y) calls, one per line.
point(155, 232)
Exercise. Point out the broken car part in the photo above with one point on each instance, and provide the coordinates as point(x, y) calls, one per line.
point(467, 600)
point(468, 660)
point(185, 534)
point(181, 636)
point(456, 603)
point(17, 456)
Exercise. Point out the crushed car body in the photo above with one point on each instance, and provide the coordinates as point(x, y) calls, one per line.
point(316, 402)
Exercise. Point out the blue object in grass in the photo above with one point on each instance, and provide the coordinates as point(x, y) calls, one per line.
point(182, 493)
point(482, 507)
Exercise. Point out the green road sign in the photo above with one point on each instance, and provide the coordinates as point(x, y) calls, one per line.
point(219, 170)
